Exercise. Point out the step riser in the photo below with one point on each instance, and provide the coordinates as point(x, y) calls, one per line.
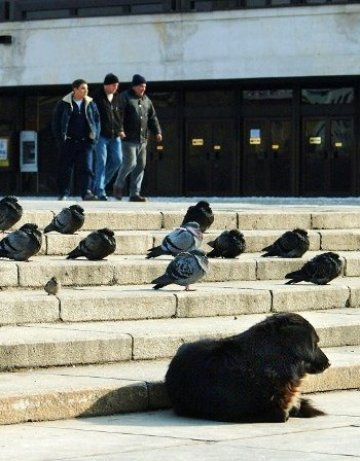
point(138, 346)
point(131, 397)
point(125, 272)
point(245, 220)
point(102, 306)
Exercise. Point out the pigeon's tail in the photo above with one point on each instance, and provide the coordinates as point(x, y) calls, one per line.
point(76, 253)
point(161, 281)
point(49, 228)
point(268, 254)
point(159, 285)
point(155, 252)
point(294, 277)
point(212, 254)
point(4, 253)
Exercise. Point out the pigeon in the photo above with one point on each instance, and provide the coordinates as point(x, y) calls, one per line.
point(228, 244)
point(52, 286)
point(320, 270)
point(291, 244)
point(186, 268)
point(68, 221)
point(22, 243)
point(10, 212)
point(200, 213)
point(185, 238)
point(97, 245)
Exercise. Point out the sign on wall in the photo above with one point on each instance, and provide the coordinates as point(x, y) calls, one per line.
point(4, 152)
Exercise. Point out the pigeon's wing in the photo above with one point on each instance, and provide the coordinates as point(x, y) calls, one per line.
point(10, 214)
point(179, 240)
point(97, 246)
point(19, 245)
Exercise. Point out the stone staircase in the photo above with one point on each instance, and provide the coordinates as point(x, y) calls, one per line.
point(103, 344)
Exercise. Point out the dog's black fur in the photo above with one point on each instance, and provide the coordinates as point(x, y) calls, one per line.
point(253, 376)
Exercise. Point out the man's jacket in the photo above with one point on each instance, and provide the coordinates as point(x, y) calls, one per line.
point(110, 115)
point(62, 114)
point(138, 116)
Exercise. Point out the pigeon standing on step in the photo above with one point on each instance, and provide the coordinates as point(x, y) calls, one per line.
point(185, 238)
point(291, 244)
point(228, 244)
point(320, 270)
point(10, 212)
point(68, 221)
point(200, 213)
point(52, 286)
point(97, 245)
point(186, 268)
point(21, 244)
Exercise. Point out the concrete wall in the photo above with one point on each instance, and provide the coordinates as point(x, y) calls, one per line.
point(286, 42)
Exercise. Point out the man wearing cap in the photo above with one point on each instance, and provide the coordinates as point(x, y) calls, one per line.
point(138, 117)
point(108, 149)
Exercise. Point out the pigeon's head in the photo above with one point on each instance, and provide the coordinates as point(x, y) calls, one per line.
point(29, 228)
point(107, 232)
point(192, 224)
point(301, 232)
point(332, 255)
point(10, 199)
point(77, 208)
point(203, 204)
point(54, 279)
point(235, 234)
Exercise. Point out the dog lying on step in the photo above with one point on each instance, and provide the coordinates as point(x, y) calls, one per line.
point(251, 377)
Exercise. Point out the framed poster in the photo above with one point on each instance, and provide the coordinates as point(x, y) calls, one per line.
point(4, 152)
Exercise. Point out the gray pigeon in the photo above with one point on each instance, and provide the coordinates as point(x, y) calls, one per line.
point(186, 268)
point(68, 221)
point(320, 270)
point(52, 286)
point(185, 238)
point(291, 244)
point(97, 245)
point(10, 212)
point(22, 243)
point(200, 213)
point(228, 244)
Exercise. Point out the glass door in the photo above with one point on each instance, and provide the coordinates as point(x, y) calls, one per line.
point(267, 166)
point(327, 164)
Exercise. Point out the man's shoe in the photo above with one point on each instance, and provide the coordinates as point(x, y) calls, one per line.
point(137, 198)
point(89, 196)
point(103, 198)
point(117, 192)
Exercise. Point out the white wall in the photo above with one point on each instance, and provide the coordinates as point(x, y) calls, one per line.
point(295, 41)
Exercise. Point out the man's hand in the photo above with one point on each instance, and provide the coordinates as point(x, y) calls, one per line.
point(122, 134)
point(158, 137)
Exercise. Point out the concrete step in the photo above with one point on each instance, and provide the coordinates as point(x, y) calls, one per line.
point(135, 269)
point(57, 344)
point(145, 217)
point(139, 302)
point(69, 392)
point(138, 242)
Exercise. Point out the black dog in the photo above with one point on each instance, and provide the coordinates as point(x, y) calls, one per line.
point(253, 376)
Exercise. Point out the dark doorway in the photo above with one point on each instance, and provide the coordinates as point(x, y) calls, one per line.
point(210, 157)
point(267, 165)
point(328, 161)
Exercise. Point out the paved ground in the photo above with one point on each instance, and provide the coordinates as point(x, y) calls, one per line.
point(161, 435)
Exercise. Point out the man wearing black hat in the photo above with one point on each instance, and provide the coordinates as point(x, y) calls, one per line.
point(138, 117)
point(108, 149)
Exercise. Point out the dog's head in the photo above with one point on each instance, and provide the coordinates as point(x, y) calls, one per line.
point(298, 341)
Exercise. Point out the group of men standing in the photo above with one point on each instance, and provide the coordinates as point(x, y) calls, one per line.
point(114, 126)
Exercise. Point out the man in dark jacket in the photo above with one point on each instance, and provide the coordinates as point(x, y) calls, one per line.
point(76, 127)
point(108, 149)
point(138, 116)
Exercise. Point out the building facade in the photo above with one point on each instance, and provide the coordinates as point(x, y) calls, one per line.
point(255, 97)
